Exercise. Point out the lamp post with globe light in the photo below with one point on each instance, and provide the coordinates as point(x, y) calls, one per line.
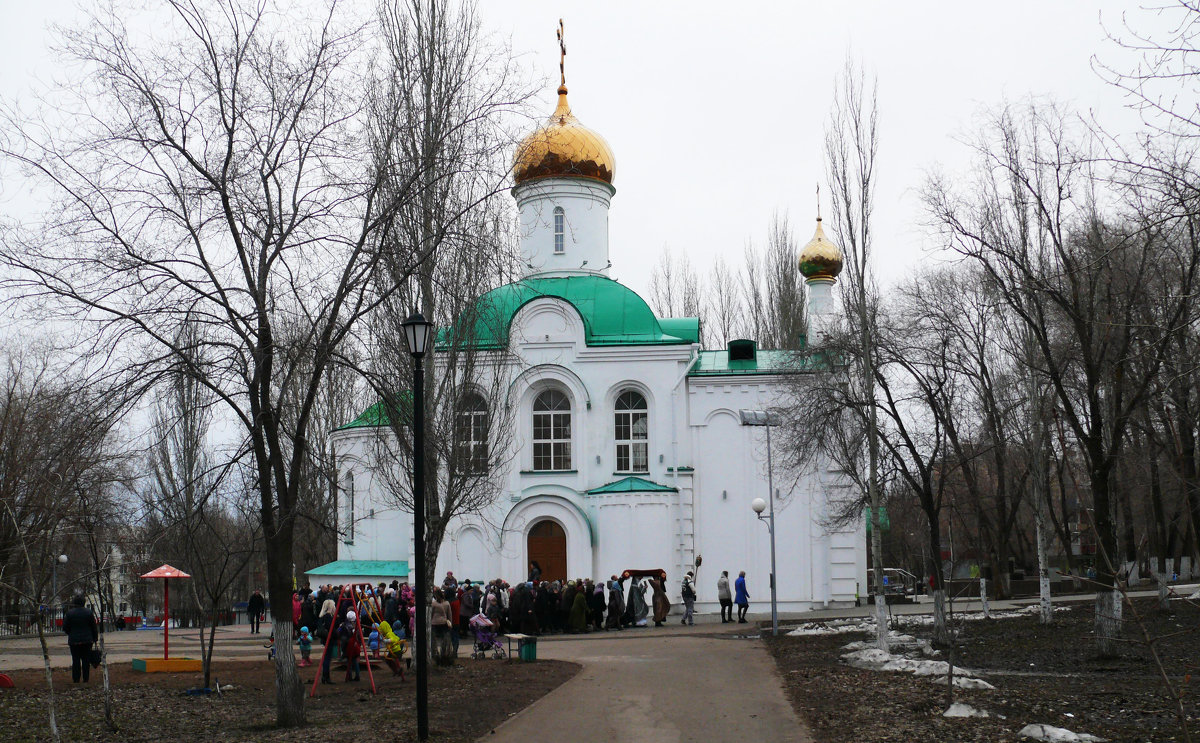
point(766, 420)
point(416, 334)
point(759, 505)
point(60, 560)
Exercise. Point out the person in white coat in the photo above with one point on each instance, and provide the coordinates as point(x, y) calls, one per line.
point(725, 597)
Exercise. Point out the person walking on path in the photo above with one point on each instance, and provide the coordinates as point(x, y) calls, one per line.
point(725, 597)
point(741, 596)
point(254, 610)
point(662, 605)
point(689, 598)
point(80, 626)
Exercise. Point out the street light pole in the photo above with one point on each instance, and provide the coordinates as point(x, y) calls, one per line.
point(416, 332)
point(767, 420)
point(54, 579)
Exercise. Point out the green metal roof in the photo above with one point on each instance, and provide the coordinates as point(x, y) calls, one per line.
point(632, 485)
point(373, 568)
point(764, 362)
point(613, 314)
point(376, 415)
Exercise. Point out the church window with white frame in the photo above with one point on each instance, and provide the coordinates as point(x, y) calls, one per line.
point(551, 431)
point(560, 219)
point(633, 429)
point(471, 436)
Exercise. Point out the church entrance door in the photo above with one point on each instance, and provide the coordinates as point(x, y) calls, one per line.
point(548, 547)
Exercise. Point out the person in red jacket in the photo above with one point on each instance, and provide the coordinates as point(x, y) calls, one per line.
point(353, 645)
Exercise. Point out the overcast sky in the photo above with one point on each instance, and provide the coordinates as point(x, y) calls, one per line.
point(716, 111)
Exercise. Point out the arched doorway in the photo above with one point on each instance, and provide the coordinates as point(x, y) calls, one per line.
point(548, 547)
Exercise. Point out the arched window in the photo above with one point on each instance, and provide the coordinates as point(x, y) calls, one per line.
point(552, 431)
point(348, 494)
point(559, 230)
point(633, 452)
point(471, 436)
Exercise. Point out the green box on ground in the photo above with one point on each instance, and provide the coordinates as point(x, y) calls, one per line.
point(527, 649)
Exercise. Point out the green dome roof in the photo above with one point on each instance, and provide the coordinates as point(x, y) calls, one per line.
point(612, 314)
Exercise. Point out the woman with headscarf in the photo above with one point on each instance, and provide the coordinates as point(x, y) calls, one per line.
point(616, 606)
point(662, 605)
point(543, 605)
point(578, 619)
point(596, 607)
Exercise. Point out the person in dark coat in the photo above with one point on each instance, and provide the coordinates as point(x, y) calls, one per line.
point(254, 610)
point(616, 605)
point(596, 606)
point(308, 611)
point(80, 626)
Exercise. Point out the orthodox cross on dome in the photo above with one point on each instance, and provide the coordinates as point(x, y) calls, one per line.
point(562, 57)
point(818, 201)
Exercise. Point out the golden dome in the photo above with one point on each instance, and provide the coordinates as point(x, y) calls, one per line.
point(563, 148)
point(820, 259)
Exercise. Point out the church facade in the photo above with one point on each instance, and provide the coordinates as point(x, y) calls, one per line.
point(628, 449)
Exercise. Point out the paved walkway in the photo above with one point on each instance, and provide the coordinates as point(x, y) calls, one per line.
point(646, 686)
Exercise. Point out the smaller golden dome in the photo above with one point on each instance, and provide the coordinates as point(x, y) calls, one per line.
point(563, 148)
point(820, 259)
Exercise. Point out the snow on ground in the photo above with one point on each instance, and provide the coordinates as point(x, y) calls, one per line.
point(879, 660)
point(926, 620)
point(958, 709)
point(833, 628)
point(1195, 596)
point(1052, 734)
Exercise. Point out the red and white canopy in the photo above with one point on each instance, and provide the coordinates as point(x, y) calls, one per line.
point(166, 571)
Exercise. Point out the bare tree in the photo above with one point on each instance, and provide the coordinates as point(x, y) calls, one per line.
point(239, 191)
point(675, 289)
point(851, 145)
point(1099, 295)
point(463, 96)
point(195, 497)
point(723, 314)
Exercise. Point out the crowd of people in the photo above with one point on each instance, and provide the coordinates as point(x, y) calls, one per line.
point(362, 620)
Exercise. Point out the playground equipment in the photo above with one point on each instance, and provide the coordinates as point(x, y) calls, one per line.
point(152, 665)
point(364, 600)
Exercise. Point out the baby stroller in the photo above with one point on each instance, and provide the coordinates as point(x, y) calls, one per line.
point(485, 638)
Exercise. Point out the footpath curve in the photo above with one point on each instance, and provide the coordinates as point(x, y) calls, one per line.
point(642, 687)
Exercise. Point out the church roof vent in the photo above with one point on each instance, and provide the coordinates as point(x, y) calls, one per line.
point(742, 350)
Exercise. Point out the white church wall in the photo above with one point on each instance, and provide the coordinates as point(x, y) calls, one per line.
point(381, 530)
point(810, 569)
point(585, 205)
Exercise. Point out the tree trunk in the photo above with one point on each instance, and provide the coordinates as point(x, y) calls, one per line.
point(1044, 600)
point(289, 699)
point(983, 598)
point(54, 734)
point(1108, 621)
point(1108, 597)
point(941, 631)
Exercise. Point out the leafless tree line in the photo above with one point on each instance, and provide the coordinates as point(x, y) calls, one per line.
point(759, 296)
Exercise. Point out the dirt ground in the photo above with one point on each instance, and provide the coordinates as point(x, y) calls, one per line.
point(465, 701)
point(1049, 675)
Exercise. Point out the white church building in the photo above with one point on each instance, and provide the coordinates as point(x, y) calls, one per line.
point(629, 448)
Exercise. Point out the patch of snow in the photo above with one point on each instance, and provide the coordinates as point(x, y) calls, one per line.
point(958, 709)
point(869, 656)
point(966, 682)
point(832, 628)
point(1195, 596)
point(1051, 734)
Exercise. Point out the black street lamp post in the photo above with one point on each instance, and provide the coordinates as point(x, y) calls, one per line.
point(416, 333)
